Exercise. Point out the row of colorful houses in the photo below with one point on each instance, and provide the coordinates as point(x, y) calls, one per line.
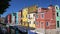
point(36, 17)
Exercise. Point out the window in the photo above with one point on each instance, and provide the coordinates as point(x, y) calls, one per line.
point(41, 23)
point(36, 16)
point(33, 14)
point(30, 22)
point(56, 8)
point(34, 22)
point(29, 16)
point(26, 15)
point(47, 23)
point(42, 15)
point(58, 24)
point(57, 14)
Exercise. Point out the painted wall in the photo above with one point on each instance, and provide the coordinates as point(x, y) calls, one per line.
point(19, 18)
point(48, 15)
point(16, 18)
point(9, 18)
point(13, 18)
point(31, 19)
point(24, 17)
point(37, 20)
point(57, 17)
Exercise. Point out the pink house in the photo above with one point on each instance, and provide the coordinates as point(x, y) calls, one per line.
point(46, 18)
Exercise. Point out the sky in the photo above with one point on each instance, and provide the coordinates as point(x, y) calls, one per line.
point(16, 5)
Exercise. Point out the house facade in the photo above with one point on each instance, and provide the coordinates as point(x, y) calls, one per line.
point(19, 17)
point(9, 18)
point(32, 10)
point(46, 18)
point(13, 19)
point(57, 17)
point(16, 18)
point(24, 17)
point(31, 19)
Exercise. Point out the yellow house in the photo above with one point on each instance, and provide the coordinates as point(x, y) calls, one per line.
point(31, 19)
point(32, 10)
point(24, 17)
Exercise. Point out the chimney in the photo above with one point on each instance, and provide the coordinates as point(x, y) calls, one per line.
point(50, 7)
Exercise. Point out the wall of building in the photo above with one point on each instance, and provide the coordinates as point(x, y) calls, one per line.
point(46, 18)
point(24, 17)
point(9, 18)
point(13, 19)
point(16, 18)
point(6, 19)
point(19, 18)
point(57, 17)
point(31, 19)
point(50, 17)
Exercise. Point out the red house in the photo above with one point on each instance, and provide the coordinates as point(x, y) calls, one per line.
point(9, 18)
point(45, 18)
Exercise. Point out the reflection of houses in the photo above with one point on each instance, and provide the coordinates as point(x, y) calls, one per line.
point(31, 15)
point(24, 17)
point(46, 18)
point(57, 18)
point(19, 17)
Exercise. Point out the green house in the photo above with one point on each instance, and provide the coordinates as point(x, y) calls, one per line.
point(57, 16)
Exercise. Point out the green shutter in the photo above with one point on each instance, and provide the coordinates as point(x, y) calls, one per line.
point(57, 14)
point(58, 24)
